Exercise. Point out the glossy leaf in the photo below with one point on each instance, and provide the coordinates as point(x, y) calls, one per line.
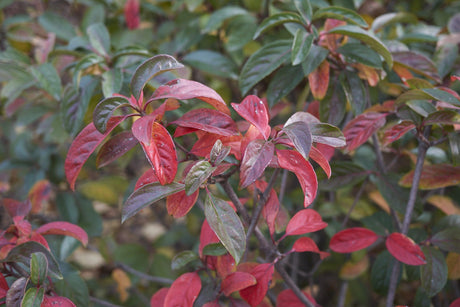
point(186, 89)
point(361, 128)
point(305, 221)
point(322, 161)
point(218, 152)
point(179, 204)
point(208, 120)
point(237, 281)
point(64, 228)
point(327, 134)
point(314, 58)
point(340, 13)
point(283, 82)
point(256, 158)
point(38, 268)
point(287, 297)
point(99, 38)
point(306, 244)
point(147, 195)
point(360, 53)
point(147, 177)
point(48, 79)
point(83, 146)
point(213, 63)
point(256, 293)
point(366, 37)
point(214, 249)
point(151, 68)
point(304, 9)
point(16, 292)
point(263, 62)
point(33, 297)
point(433, 274)
point(300, 135)
point(352, 239)
point(445, 57)
point(270, 211)
point(404, 249)
point(197, 175)
point(442, 117)
point(254, 111)
point(397, 131)
point(428, 94)
point(392, 18)
point(275, 20)
point(115, 147)
point(182, 259)
point(355, 92)
point(319, 80)
point(434, 177)
point(294, 162)
point(207, 237)
point(447, 240)
point(219, 16)
point(301, 46)
point(112, 81)
point(417, 63)
point(226, 225)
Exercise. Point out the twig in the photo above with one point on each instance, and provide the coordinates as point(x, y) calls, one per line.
point(234, 198)
point(155, 279)
point(355, 202)
point(283, 185)
point(102, 302)
point(292, 285)
point(342, 294)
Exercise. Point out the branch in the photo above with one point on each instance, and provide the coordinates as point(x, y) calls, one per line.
point(102, 302)
point(291, 284)
point(160, 280)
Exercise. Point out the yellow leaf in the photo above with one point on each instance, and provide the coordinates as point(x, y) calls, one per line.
point(351, 270)
point(123, 283)
point(444, 203)
point(453, 265)
point(377, 198)
point(368, 73)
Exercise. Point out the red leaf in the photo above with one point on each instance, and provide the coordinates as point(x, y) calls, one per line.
point(115, 147)
point(39, 193)
point(396, 132)
point(256, 293)
point(23, 227)
point(179, 204)
point(181, 131)
point(131, 11)
point(204, 144)
point(294, 162)
point(306, 244)
point(322, 161)
point(208, 120)
point(57, 301)
point(319, 80)
point(453, 78)
point(158, 299)
point(271, 207)
point(64, 228)
point(404, 249)
point(434, 177)
point(236, 282)
point(352, 239)
point(84, 145)
point(160, 151)
point(3, 286)
point(225, 265)
point(16, 208)
point(207, 236)
point(147, 177)
point(183, 291)
point(287, 298)
point(455, 303)
point(187, 89)
point(252, 134)
point(254, 111)
point(305, 221)
point(360, 129)
point(169, 105)
point(257, 156)
point(214, 303)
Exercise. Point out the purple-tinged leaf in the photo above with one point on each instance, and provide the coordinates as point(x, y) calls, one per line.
point(179, 204)
point(104, 111)
point(417, 63)
point(327, 134)
point(322, 161)
point(147, 195)
point(197, 175)
point(208, 120)
point(404, 249)
point(448, 240)
point(305, 221)
point(257, 156)
point(443, 117)
point(219, 152)
point(16, 292)
point(434, 177)
point(115, 147)
point(360, 129)
point(397, 131)
point(433, 274)
point(299, 134)
point(253, 109)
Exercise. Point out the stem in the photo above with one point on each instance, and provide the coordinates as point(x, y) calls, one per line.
point(291, 284)
point(422, 149)
point(342, 294)
point(358, 196)
point(160, 280)
point(102, 302)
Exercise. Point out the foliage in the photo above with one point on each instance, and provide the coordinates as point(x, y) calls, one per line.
point(334, 170)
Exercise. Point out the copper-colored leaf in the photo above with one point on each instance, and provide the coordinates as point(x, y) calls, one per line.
point(434, 177)
point(350, 270)
point(208, 120)
point(64, 228)
point(360, 129)
point(179, 204)
point(257, 156)
point(39, 193)
point(397, 131)
point(444, 203)
point(404, 249)
point(253, 109)
point(352, 239)
point(123, 283)
point(453, 265)
point(319, 80)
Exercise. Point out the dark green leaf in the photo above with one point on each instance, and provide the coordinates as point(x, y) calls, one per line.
point(428, 94)
point(57, 24)
point(304, 9)
point(283, 82)
point(340, 13)
point(301, 46)
point(72, 286)
point(23, 253)
point(38, 268)
point(366, 37)
point(95, 13)
point(314, 58)
point(197, 175)
point(212, 62)
point(327, 134)
point(214, 249)
point(112, 81)
point(182, 259)
point(48, 79)
point(151, 68)
point(300, 135)
point(381, 272)
point(360, 53)
point(421, 107)
point(275, 20)
point(380, 222)
point(454, 144)
point(33, 297)
point(240, 31)
point(445, 58)
point(104, 111)
point(433, 274)
point(263, 62)
point(86, 62)
point(147, 195)
point(99, 38)
point(130, 51)
point(355, 92)
point(395, 195)
point(343, 174)
point(218, 17)
point(448, 240)
point(392, 18)
point(227, 226)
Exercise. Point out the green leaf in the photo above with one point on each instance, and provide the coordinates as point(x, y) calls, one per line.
point(48, 79)
point(314, 58)
point(395, 195)
point(354, 91)
point(57, 24)
point(343, 174)
point(214, 249)
point(304, 9)
point(227, 226)
point(445, 58)
point(104, 111)
point(392, 18)
point(38, 268)
point(276, 20)
point(301, 46)
point(428, 94)
point(300, 135)
point(130, 51)
point(360, 53)
point(283, 82)
point(381, 272)
point(23, 253)
point(182, 259)
point(112, 81)
point(147, 195)
point(72, 286)
point(421, 107)
point(447, 240)
point(33, 297)
point(151, 68)
point(218, 17)
point(213, 63)
point(366, 37)
point(433, 274)
point(240, 31)
point(263, 62)
point(443, 117)
point(99, 38)
point(327, 134)
point(192, 5)
point(454, 145)
point(218, 153)
point(197, 175)
point(340, 13)
point(86, 62)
